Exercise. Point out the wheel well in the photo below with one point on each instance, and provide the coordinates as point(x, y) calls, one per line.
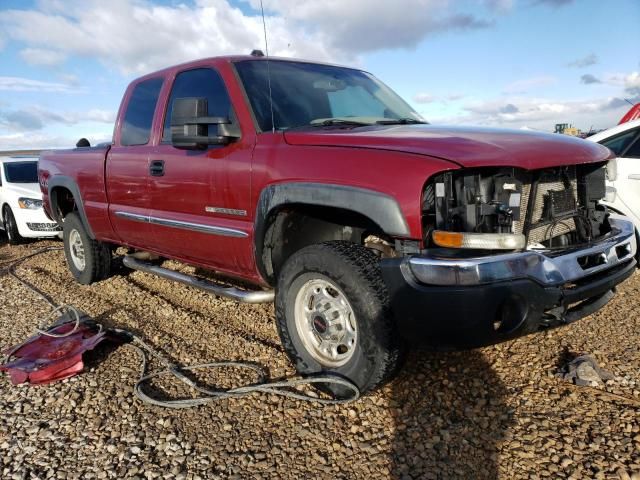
point(62, 202)
point(4, 206)
point(295, 226)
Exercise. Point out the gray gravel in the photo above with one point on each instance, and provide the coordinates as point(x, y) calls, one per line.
point(497, 412)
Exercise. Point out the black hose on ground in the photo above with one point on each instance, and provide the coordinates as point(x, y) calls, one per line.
point(284, 388)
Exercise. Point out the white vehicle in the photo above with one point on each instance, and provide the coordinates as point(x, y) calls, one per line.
point(21, 201)
point(623, 174)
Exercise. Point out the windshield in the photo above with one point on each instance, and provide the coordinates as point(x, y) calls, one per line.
point(312, 94)
point(21, 172)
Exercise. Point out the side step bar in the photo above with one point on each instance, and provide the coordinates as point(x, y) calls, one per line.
point(243, 296)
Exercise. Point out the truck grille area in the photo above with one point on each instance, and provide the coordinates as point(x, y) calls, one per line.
point(44, 227)
point(551, 214)
point(555, 207)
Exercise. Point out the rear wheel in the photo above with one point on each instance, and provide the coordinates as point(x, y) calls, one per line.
point(88, 260)
point(333, 315)
point(11, 227)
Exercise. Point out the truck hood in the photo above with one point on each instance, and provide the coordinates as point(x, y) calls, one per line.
point(465, 146)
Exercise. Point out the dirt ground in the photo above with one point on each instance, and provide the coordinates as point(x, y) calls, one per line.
point(496, 412)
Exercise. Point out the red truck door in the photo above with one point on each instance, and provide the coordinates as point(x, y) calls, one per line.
point(200, 208)
point(127, 165)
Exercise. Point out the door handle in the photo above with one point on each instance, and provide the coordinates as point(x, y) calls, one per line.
point(156, 168)
point(634, 176)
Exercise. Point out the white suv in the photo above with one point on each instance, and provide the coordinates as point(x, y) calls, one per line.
point(623, 173)
point(21, 201)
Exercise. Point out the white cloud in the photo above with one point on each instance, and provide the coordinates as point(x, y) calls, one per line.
point(523, 86)
point(632, 83)
point(69, 78)
point(21, 84)
point(553, 3)
point(542, 113)
point(587, 61)
point(36, 118)
point(358, 26)
point(38, 141)
point(136, 36)
point(423, 98)
point(42, 56)
point(499, 5)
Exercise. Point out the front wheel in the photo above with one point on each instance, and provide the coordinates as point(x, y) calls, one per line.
point(88, 260)
point(333, 315)
point(11, 227)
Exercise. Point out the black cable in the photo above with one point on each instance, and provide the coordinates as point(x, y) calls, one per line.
point(282, 388)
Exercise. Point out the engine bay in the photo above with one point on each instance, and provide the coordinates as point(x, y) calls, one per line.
point(553, 208)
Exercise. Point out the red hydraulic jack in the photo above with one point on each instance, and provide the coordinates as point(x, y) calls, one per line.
point(56, 353)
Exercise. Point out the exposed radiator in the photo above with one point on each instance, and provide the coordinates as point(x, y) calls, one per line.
point(548, 182)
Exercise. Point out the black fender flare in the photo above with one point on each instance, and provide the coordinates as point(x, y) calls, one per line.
point(71, 185)
point(380, 208)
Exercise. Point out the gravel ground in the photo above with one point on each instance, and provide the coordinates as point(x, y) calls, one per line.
point(496, 412)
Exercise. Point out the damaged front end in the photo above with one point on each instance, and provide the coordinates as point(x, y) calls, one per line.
point(508, 252)
point(515, 209)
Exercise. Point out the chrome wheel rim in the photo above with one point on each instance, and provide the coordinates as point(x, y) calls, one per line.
point(325, 322)
point(76, 250)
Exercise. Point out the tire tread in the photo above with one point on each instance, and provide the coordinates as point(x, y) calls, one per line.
point(99, 254)
point(366, 265)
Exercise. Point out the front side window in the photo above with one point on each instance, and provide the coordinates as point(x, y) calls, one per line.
point(21, 172)
point(199, 83)
point(308, 93)
point(620, 143)
point(136, 127)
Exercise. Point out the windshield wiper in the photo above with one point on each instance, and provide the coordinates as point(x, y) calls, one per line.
point(331, 122)
point(400, 121)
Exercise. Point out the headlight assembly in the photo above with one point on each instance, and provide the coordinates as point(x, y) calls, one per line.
point(30, 203)
point(480, 241)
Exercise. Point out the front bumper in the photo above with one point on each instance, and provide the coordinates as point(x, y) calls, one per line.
point(455, 302)
point(35, 224)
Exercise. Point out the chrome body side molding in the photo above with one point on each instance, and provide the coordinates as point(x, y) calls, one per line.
point(196, 227)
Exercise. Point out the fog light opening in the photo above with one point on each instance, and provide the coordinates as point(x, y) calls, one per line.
point(511, 316)
point(623, 250)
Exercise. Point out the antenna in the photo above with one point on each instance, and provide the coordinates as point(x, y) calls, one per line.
point(629, 102)
point(266, 48)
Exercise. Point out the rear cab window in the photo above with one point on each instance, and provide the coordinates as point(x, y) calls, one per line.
point(138, 118)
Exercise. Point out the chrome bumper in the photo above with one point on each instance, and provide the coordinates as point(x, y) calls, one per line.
point(617, 247)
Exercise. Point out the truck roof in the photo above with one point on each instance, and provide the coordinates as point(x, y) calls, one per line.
point(231, 59)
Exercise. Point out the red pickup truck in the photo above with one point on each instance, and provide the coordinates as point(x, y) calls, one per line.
point(369, 227)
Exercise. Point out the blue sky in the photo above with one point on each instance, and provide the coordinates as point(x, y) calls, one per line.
point(64, 64)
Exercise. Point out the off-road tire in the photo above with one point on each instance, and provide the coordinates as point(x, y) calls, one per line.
point(356, 270)
point(11, 227)
point(97, 254)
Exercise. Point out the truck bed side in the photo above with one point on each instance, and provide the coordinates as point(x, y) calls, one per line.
point(79, 174)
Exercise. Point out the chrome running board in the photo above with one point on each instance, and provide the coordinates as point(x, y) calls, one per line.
point(243, 296)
